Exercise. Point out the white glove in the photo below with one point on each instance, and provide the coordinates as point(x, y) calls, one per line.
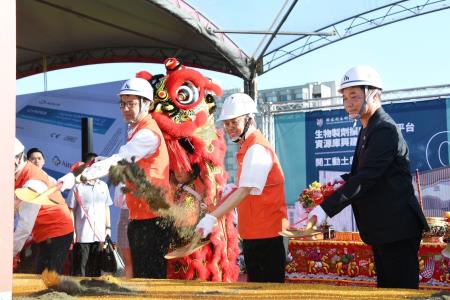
point(319, 213)
point(68, 181)
point(206, 225)
point(108, 232)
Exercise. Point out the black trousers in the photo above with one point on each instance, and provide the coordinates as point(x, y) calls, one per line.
point(265, 259)
point(52, 253)
point(28, 260)
point(86, 259)
point(149, 241)
point(397, 264)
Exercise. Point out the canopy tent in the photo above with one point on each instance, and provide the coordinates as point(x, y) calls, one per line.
point(55, 34)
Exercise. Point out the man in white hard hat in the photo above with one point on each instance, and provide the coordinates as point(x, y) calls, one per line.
point(51, 226)
point(259, 198)
point(379, 186)
point(148, 241)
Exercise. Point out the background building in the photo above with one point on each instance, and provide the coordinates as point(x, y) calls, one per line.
point(313, 90)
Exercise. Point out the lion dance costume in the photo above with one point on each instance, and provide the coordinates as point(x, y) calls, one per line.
point(183, 108)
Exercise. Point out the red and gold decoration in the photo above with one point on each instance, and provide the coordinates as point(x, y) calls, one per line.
point(184, 108)
point(351, 263)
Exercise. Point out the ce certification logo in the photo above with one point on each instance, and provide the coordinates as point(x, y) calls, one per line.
point(55, 135)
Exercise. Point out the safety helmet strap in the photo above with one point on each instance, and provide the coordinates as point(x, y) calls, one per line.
point(241, 137)
point(367, 97)
point(143, 110)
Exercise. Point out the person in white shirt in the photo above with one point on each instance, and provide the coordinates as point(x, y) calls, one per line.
point(89, 203)
point(149, 240)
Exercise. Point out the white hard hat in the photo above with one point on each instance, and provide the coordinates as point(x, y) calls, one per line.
point(237, 105)
point(138, 87)
point(18, 147)
point(361, 76)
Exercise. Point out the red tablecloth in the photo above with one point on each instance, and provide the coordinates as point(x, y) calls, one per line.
point(351, 263)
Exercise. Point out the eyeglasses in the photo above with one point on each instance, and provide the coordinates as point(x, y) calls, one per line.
point(129, 105)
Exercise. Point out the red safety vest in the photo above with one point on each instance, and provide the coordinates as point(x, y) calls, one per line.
point(265, 215)
point(156, 168)
point(52, 220)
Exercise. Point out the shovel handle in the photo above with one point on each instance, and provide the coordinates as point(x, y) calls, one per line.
point(298, 222)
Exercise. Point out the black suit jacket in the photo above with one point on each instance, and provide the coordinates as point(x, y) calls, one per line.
point(379, 186)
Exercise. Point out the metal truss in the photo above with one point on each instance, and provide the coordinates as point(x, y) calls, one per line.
point(127, 54)
point(271, 109)
point(381, 16)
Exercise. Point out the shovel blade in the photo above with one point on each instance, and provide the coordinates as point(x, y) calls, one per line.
point(30, 196)
point(186, 250)
point(298, 233)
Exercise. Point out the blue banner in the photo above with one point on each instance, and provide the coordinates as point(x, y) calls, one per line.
point(330, 141)
point(63, 118)
point(331, 138)
point(424, 127)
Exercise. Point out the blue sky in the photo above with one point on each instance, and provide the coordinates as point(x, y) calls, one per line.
point(410, 53)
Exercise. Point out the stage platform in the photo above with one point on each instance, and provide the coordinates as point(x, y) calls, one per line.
point(27, 286)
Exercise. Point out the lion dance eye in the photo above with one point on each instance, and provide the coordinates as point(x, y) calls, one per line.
point(187, 94)
point(162, 94)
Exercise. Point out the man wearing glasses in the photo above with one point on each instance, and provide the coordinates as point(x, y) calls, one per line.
point(148, 241)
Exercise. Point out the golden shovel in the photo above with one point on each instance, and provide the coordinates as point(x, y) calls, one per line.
point(308, 231)
point(28, 195)
point(190, 248)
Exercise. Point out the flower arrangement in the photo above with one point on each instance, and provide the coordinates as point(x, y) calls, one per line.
point(316, 193)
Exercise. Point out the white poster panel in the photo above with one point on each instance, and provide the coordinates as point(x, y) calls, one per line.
point(53, 124)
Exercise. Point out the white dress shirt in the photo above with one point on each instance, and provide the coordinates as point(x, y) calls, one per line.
point(95, 198)
point(143, 143)
point(255, 169)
